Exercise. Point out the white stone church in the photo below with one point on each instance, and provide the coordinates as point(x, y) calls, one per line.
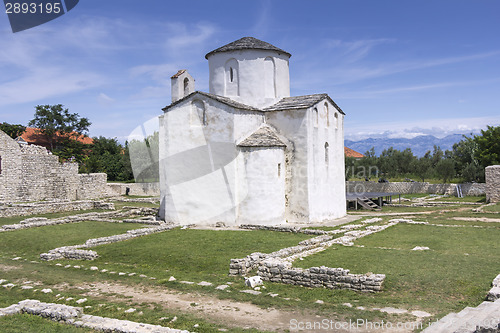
point(248, 152)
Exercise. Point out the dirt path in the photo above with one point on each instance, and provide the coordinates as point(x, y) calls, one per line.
point(477, 219)
point(225, 312)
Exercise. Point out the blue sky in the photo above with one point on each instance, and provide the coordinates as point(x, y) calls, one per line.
point(397, 68)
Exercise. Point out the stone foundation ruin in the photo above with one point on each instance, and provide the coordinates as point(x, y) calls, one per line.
point(493, 183)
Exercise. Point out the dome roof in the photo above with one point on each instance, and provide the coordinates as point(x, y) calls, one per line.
point(247, 43)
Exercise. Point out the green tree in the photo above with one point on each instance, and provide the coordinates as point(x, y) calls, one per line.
point(56, 123)
point(488, 146)
point(144, 155)
point(422, 167)
point(465, 156)
point(107, 155)
point(445, 169)
point(12, 130)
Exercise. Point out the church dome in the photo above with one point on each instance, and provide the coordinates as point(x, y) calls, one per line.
point(247, 43)
point(249, 71)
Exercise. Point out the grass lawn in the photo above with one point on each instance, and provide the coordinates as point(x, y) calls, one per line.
point(455, 273)
point(192, 255)
point(17, 219)
point(29, 243)
point(34, 324)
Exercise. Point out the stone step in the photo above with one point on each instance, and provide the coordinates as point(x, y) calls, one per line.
point(483, 318)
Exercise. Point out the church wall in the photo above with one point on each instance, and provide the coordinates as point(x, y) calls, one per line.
point(326, 160)
point(199, 159)
point(250, 74)
point(264, 189)
point(293, 126)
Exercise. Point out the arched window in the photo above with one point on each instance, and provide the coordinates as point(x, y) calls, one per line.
point(186, 86)
point(316, 117)
point(327, 158)
point(269, 78)
point(198, 113)
point(326, 153)
point(327, 112)
point(336, 121)
point(231, 78)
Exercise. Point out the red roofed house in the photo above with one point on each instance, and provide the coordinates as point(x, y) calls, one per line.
point(352, 153)
point(33, 136)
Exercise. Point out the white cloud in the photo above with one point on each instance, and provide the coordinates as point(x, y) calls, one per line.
point(105, 99)
point(183, 37)
point(44, 83)
point(436, 127)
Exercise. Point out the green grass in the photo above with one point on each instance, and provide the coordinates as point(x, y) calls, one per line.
point(29, 243)
point(193, 255)
point(17, 219)
point(34, 324)
point(493, 208)
point(456, 272)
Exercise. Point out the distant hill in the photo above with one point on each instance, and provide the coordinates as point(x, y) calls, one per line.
point(419, 145)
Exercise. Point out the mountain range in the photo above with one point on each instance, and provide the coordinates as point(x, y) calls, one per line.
point(419, 145)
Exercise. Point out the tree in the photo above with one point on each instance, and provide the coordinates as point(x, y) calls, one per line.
point(12, 130)
point(465, 156)
point(108, 156)
point(488, 146)
point(56, 123)
point(446, 169)
point(423, 166)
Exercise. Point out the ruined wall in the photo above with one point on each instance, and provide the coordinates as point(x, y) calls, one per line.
point(493, 183)
point(143, 189)
point(470, 189)
point(92, 186)
point(32, 173)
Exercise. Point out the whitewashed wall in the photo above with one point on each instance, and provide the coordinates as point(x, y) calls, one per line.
point(326, 180)
point(198, 162)
point(264, 189)
point(252, 76)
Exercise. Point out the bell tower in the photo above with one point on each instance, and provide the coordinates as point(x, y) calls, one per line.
point(249, 71)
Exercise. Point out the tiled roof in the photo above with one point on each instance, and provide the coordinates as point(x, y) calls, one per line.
point(33, 136)
point(179, 73)
point(301, 102)
point(247, 43)
point(218, 98)
point(287, 103)
point(264, 136)
point(348, 152)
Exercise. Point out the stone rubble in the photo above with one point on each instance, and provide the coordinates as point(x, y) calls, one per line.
point(494, 293)
point(76, 252)
point(277, 266)
point(75, 316)
point(149, 217)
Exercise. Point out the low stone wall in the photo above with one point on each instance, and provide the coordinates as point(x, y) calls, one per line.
point(46, 207)
point(76, 251)
point(493, 183)
point(318, 277)
point(143, 189)
point(277, 266)
point(468, 189)
point(92, 186)
point(74, 316)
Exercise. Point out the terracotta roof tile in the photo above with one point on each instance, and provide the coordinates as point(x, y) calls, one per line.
point(352, 153)
point(31, 135)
